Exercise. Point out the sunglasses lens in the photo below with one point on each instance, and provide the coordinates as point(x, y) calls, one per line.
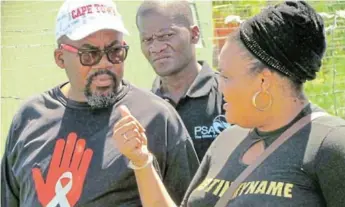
point(90, 58)
point(117, 55)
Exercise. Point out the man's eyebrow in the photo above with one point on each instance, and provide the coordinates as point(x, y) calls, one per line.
point(92, 47)
point(115, 42)
point(166, 29)
point(89, 47)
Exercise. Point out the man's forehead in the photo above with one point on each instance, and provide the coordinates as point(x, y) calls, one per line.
point(101, 39)
point(157, 30)
point(105, 34)
point(153, 20)
point(105, 44)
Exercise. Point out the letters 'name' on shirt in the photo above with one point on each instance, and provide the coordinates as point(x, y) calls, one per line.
point(218, 187)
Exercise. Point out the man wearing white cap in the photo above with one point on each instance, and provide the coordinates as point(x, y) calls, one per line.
point(60, 151)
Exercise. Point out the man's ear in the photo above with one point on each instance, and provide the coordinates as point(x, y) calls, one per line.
point(58, 56)
point(195, 34)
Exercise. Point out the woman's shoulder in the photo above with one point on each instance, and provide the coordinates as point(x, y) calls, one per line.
point(329, 121)
point(229, 138)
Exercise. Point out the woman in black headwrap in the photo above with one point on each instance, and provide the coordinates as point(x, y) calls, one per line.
point(263, 67)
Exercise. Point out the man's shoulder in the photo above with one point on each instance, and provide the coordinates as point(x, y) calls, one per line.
point(33, 103)
point(148, 100)
point(213, 74)
point(29, 109)
point(155, 113)
point(137, 92)
point(156, 85)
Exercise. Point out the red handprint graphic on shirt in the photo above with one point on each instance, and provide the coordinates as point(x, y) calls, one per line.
point(66, 174)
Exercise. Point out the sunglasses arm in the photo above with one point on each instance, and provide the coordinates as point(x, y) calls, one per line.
point(69, 48)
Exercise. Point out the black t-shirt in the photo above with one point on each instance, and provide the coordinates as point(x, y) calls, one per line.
point(201, 108)
point(307, 170)
point(46, 120)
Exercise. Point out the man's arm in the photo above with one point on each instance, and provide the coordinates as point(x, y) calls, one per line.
point(330, 167)
point(9, 186)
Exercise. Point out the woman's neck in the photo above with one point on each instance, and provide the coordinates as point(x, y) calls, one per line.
point(283, 113)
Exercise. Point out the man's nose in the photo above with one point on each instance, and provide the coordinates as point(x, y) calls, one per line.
point(157, 46)
point(104, 63)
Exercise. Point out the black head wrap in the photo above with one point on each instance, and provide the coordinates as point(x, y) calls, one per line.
point(288, 37)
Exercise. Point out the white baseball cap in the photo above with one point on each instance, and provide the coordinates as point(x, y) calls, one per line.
point(79, 18)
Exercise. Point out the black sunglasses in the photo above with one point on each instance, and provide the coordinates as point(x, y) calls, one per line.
point(90, 57)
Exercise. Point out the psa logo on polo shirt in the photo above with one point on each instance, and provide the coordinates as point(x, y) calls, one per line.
point(218, 125)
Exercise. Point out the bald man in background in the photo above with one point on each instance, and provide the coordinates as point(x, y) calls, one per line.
point(168, 37)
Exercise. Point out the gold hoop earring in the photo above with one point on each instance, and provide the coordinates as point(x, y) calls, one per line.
point(254, 100)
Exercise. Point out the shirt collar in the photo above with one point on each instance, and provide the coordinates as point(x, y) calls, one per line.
point(201, 86)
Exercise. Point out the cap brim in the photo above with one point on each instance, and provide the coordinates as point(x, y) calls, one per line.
point(92, 27)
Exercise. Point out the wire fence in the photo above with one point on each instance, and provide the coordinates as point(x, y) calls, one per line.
point(27, 50)
point(328, 90)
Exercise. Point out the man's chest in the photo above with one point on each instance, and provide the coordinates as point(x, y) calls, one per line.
point(203, 118)
point(70, 164)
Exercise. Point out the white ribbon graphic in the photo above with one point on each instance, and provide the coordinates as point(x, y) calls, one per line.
point(61, 192)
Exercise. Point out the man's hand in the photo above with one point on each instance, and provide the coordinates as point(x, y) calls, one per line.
point(130, 138)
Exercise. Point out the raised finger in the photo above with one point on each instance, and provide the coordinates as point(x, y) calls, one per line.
point(124, 110)
point(141, 128)
point(143, 138)
point(123, 121)
point(128, 119)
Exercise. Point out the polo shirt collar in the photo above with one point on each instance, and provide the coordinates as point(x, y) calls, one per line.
point(201, 86)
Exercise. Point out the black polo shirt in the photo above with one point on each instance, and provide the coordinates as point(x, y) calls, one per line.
point(201, 108)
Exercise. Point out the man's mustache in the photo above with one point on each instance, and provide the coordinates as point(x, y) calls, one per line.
point(101, 72)
point(96, 73)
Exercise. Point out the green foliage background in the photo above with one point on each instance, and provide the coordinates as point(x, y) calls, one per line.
point(328, 90)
